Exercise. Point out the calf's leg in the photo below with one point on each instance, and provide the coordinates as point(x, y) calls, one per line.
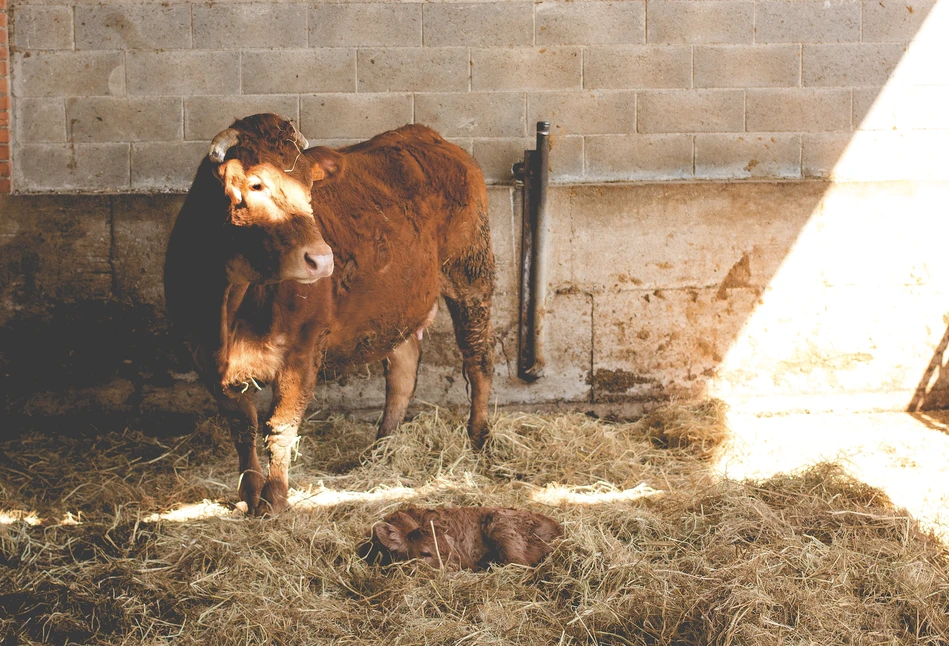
point(401, 368)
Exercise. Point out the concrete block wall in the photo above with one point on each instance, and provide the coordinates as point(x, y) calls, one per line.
point(820, 283)
point(123, 96)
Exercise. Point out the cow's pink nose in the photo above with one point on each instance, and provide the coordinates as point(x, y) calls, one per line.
point(319, 265)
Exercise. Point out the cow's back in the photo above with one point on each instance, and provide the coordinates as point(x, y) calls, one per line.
point(403, 204)
point(415, 165)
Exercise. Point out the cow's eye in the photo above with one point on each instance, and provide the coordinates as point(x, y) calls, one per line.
point(425, 554)
point(256, 186)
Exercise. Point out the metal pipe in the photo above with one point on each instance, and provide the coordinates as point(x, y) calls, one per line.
point(533, 173)
point(524, 174)
point(540, 250)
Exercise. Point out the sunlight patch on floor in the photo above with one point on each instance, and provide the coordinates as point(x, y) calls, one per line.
point(321, 496)
point(600, 493)
point(904, 455)
point(194, 511)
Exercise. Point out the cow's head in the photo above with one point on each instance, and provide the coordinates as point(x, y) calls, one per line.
point(269, 233)
point(405, 540)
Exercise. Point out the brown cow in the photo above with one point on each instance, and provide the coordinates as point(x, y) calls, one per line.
point(462, 537)
point(284, 261)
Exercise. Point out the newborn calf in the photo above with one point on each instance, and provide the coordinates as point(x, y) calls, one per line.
point(462, 537)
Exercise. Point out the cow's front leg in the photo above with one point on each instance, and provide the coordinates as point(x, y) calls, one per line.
point(241, 413)
point(292, 390)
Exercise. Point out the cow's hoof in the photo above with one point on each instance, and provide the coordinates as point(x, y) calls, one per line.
point(478, 436)
point(272, 501)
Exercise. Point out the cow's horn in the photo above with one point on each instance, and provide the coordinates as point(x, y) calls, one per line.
point(221, 143)
point(300, 140)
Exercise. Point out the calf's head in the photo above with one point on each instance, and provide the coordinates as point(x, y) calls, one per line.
point(270, 234)
point(405, 540)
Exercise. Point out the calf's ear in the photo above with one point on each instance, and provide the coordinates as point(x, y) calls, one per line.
point(391, 537)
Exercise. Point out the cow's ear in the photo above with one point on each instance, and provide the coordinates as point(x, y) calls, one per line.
point(231, 174)
point(325, 163)
point(391, 537)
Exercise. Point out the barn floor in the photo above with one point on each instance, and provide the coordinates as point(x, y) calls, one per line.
point(125, 538)
point(905, 455)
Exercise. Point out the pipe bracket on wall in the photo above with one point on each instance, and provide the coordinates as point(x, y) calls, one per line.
point(532, 174)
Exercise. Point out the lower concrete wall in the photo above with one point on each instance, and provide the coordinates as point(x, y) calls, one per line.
point(774, 296)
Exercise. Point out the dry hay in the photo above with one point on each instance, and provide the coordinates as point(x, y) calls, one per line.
point(668, 554)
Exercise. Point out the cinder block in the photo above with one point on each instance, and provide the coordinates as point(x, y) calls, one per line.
point(56, 249)
point(102, 119)
point(496, 156)
point(42, 27)
point(466, 143)
point(883, 118)
point(568, 348)
point(475, 114)
point(183, 73)
point(40, 121)
point(365, 25)
point(850, 64)
point(647, 66)
point(901, 108)
point(490, 24)
point(916, 66)
point(506, 243)
point(124, 26)
point(245, 26)
point(353, 116)
point(205, 116)
point(801, 110)
point(604, 112)
point(166, 166)
point(77, 167)
point(677, 236)
point(894, 22)
point(299, 71)
point(700, 22)
point(67, 73)
point(659, 344)
point(141, 225)
point(590, 23)
point(743, 66)
point(881, 155)
point(526, 68)
point(691, 111)
point(806, 21)
point(821, 152)
point(638, 157)
point(747, 156)
point(413, 70)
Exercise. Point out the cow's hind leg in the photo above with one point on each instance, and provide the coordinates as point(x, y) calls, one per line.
point(467, 288)
point(401, 367)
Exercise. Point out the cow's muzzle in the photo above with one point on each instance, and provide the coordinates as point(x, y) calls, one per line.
point(317, 263)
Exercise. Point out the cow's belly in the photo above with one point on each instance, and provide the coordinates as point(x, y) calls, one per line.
point(377, 308)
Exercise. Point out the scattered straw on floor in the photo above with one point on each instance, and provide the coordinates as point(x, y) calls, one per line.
point(127, 539)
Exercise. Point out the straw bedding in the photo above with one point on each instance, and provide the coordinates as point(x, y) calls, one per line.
point(657, 550)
